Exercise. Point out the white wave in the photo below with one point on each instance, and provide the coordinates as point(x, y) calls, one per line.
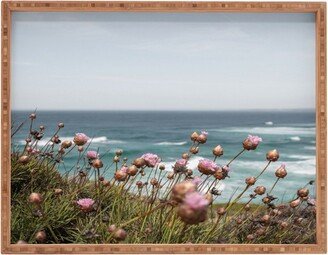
point(271, 130)
point(304, 166)
point(268, 123)
point(295, 138)
point(104, 139)
point(171, 143)
point(100, 139)
point(311, 148)
point(299, 156)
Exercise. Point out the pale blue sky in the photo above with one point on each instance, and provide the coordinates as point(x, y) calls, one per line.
point(157, 61)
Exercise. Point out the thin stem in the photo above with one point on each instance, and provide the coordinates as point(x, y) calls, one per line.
point(274, 185)
point(241, 152)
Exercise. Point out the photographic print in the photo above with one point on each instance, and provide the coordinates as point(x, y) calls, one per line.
point(163, 128)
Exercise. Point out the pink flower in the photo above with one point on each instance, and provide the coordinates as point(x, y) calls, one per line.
point(251, 142)
point(197, 180)
point(92, 155)
point(204, 133)
point(80, 139)
point(254, 139)
point(124, 169)
point(195, 201)
point(181, 162)
point(207, 166)
point(151, 159)
point(86, 204)
point(180, 165)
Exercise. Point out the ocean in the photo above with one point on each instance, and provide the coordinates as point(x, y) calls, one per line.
point(166, 133)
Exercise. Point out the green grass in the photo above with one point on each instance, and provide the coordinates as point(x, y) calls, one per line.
point(63, 221)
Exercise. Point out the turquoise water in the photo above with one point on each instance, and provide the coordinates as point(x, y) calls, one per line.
point(292, 133)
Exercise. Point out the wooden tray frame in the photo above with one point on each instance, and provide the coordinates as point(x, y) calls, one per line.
point(319, 8)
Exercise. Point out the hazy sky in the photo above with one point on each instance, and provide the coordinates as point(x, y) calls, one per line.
point(153, 61)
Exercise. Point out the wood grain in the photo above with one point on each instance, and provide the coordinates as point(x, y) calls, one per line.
point(319, 8)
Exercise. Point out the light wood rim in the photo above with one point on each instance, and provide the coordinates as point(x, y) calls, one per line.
point(319, 8)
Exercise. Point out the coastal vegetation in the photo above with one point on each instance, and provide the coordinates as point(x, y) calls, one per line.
point(105, 199)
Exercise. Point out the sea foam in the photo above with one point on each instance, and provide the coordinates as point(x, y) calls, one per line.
point(270, 130)
point(94, 140)
point(171, 143)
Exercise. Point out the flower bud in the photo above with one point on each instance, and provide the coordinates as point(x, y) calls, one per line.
point(260, 231)
point(132, 170)
point(161, 167)
point(180, 190)
point(250, 181)
point(42, 127)
point(250, 237)
point(298, 221)
point(194, 136)
point(272, 155)
point(32, 116)
point(116, 159)
point(189, 172)
point(247, 207)
point(58, 191)
point(295, 203)
point(139, 184)
point(80, 148)
point(80, 139)
point(35, 198)
point(111, 228)
point(61, 125)
point(265, 218)
point(191, 216)
point(276, 212)
point(21, 242)
point(218, 151)
point(266, 200)
point(41, 236)
point(106, 183)
point(97, 163)
point(170, 176)
point(202, 138)
point(283, 224)
point(219, 174)
point(66, 144)
point(304, 192)
point(24, 159)
point(101, 178)
point(185, 156)
point(221, 211)
point(260, 190)
point(194, 150)
point(119, 152)
point(120, 175)
point(281, 172)
point(139, 162)
point(154, 182)
point(120, 234)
